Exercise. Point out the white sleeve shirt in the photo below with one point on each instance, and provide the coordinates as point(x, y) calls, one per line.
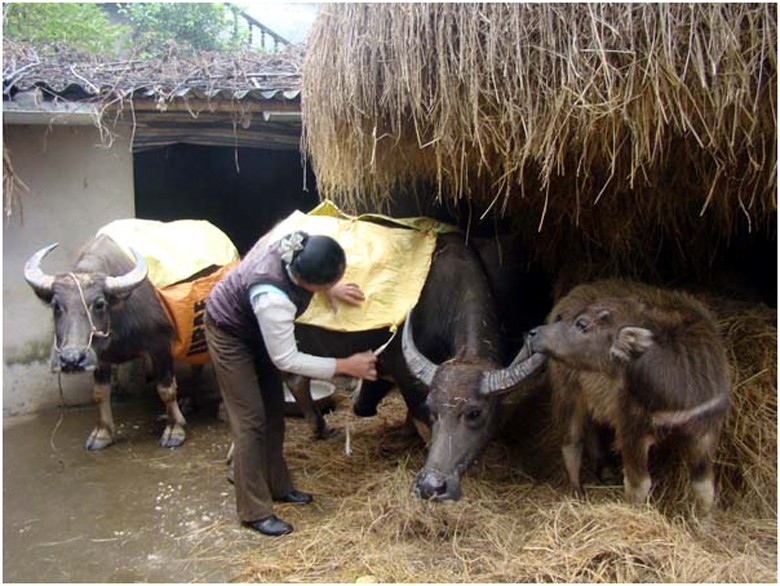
point(275, 314)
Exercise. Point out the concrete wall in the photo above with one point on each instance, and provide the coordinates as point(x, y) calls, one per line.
point(76, 185)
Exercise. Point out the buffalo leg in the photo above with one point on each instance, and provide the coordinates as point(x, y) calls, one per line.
point(598, 446)
point(370, 395)
point(174, 435)
point(300, 387)
point(573, 443)
point(636, 478)
point(104, 433)
point(162, 364)
point(699, 453)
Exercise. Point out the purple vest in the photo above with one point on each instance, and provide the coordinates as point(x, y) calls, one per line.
point(228, 303)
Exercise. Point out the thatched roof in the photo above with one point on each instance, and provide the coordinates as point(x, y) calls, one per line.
point(625, 124)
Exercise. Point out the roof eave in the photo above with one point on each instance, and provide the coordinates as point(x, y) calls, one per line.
point(50, 113)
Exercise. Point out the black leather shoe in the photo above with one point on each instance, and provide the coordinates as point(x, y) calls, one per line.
point(296, 497)
point(271, 525)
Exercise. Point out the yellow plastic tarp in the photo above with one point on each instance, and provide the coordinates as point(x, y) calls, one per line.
point(174, 251)
point(328, 208)
point(389, 264)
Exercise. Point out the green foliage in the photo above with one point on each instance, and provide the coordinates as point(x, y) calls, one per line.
point(152, 26)
point(188, 26)
point(79, 26)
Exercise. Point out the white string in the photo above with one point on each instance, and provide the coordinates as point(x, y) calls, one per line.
point(92, 327)
point(355, 393)
point(93, 331)
point(60, 461)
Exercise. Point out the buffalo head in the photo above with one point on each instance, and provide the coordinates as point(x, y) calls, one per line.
point(463, 400)
point(81, 303)
point(603, 337)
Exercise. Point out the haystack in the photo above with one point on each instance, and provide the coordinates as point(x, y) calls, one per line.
point(621, 128)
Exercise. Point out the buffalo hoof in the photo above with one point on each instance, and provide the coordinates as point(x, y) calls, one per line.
point(578, 492)
point(172, 437)
point(325, 433)
point(609, 475)
point(99, 438)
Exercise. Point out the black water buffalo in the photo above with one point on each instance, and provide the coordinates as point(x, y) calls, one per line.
point(106, 312)
point(648, 363)
point(448, 371)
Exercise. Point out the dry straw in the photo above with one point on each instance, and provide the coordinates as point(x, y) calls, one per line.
point(625, 120)
point(516, 522)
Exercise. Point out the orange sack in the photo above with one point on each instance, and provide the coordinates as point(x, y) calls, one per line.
point(185, 304)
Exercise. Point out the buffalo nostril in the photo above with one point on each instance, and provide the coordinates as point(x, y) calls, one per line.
point(73, 358)
point(430, 485)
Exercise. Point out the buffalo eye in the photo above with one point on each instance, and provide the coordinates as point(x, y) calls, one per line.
point(472, 414)
point(581, 324)
point(100, 305)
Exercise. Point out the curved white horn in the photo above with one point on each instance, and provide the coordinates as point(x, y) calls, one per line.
point(523, 366)
point(34, 275)
point(123, 284)
point(418, 365)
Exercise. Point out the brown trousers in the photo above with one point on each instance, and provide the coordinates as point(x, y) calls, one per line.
point(252, 391)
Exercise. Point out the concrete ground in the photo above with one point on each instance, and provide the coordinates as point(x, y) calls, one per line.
point(134, 512)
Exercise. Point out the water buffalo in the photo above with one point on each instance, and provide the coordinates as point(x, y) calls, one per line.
point(446, 365)
point(106, 312)
point(647, 362)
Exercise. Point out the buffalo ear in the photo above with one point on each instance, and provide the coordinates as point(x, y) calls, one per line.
point(115, 299)
point(44, 295)
point(630, 342)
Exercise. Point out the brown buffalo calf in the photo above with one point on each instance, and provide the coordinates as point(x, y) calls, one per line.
point(647, 362)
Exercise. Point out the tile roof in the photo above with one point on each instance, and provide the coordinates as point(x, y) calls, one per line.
point(242, 76)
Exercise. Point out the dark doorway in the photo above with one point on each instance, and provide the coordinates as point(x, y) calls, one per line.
point(243, 191)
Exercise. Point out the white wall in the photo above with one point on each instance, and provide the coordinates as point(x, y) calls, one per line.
point(76, 185)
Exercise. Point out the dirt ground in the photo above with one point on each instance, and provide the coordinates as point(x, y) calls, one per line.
point(134, 512)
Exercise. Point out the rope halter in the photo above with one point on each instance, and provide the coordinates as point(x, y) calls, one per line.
point(93, 331)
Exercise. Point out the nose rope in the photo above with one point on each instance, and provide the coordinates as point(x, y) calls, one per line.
point(93, 331)
point(60, 461)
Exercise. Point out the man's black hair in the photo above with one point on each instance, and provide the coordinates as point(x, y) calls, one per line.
point(321, 261)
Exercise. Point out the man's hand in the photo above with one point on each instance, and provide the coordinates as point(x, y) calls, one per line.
point(349, 293)
point(361, 365)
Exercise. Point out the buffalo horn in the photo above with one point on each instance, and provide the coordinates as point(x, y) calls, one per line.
point(504, 379)
point(37, 279)
point(122, 285)
point(418, 365)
